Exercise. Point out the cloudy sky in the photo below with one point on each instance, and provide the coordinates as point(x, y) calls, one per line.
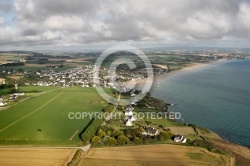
point(51, 24)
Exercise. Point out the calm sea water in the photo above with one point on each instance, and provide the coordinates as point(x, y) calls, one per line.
point(216, 97)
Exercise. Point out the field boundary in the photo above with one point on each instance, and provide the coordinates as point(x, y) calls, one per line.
point(73, 135)
point(30, 113)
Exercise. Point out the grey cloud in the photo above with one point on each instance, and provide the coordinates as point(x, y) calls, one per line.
point(83, 21)
point(29, 32)
point(46, 8)
point(5, 7)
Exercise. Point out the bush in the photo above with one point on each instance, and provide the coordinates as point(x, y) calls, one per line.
point(109, 108)
point(96, 140)
point(101, 133)
point(117, 133)
point(203, 143)
point(137, 141)
point(75, 158)
point(133, 132)
point(4, 86)
point(14, 91)
point(110, 141)
point(209, 146)
point(104, 128)
point(91, 130)
point(165, 136)
point(146, 139)
point(108, 133)
point(122, 140)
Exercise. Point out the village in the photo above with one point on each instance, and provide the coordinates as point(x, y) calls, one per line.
point(82, 76)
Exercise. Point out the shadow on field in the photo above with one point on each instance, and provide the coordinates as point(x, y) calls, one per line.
point(84, 129)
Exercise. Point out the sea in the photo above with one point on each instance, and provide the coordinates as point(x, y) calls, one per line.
point(215, 96)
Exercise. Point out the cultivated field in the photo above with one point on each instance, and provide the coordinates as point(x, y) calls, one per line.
point(43, 120)
point(153, 155)
point(182, 130)
point(35, 156)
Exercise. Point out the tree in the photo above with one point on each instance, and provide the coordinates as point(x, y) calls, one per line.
point(148, 122)
point(110, 141)
point(96, 140)
point(137, 141)
point(104, 128)
point(108, 133)
point(109, 108)
point(122, 140)
point(101, 133)
point(165, 135)
point(20, 70)
point(127, 132)
point(117, 133)
point(85, 140)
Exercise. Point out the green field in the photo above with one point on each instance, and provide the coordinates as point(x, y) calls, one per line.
point(43, 120)
point(37, 88)
point(5, 91)
point(28, 89)
point(166, 122)
point(34, 68)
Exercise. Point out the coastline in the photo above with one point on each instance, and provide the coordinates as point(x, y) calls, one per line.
point(194, 66)
point(240, 152)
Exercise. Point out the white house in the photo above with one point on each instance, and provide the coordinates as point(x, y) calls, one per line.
point(131, 118)
point(133, 101)
point(129, 123)
point(18, 94)
point(150, 131)
point(2, 103)
point(128, 113)
point(180, 138)
point(129, 107)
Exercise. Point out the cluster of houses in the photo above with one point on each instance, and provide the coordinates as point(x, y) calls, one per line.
point(82, 76)
point(129, 116)
point(148, 131)
point(11, 97)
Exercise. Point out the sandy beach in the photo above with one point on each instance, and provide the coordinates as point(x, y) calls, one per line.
point(195, 66)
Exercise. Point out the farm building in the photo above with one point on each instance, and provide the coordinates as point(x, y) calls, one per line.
point(180, 139)
point(150, 131)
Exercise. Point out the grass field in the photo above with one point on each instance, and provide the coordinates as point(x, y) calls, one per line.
point(35, 67)
point(153, 155)
point(182, 130)
point(43, 120)
point(5, 91)
point(28, 89)
point(38, 88)
point(25, 68)
point(34, 156)
point(160, 121)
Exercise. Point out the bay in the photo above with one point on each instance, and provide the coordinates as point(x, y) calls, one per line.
point(216, 97)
